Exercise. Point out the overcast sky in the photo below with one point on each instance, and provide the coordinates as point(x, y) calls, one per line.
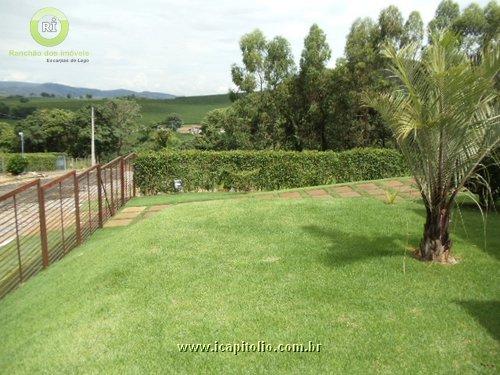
point(178, 47)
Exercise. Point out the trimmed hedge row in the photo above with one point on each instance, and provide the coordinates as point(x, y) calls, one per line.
point(36, 161)
point(262, 170)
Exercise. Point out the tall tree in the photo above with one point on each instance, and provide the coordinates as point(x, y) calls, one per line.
point(413, 30)
point(8, 137)
point(312, 85)
point(48, 130)
point(121, 115)
point(492, 15)
point(251, 76)
point(446, 14)
point(445, 117)
point(278, 62)
point(471, 26)
point(390, 23)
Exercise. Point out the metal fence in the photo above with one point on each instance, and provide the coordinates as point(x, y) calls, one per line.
point(40, 223)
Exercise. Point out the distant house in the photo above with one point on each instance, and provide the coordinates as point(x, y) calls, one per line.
point(190, 129)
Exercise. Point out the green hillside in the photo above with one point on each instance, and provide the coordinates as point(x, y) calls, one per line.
point(191, 108)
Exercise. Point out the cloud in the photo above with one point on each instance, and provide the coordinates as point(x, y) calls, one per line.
point(179, 47)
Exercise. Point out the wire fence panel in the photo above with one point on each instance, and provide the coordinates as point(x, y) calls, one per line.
point(89, 206)
point(20, 255)
point(40, 224)
point(59, 198)
point(128, 171)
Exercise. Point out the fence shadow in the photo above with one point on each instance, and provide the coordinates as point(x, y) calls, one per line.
point(42, 222)
point(486, 313)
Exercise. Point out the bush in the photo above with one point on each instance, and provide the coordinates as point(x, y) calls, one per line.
point(17, 164)
point(36, 161)
point(487, 182)
point(262, 170)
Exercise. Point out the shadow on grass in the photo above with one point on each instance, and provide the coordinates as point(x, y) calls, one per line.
point(485, 313)
point(348, 247)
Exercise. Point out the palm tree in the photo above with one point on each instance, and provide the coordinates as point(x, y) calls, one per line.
point(444, 116)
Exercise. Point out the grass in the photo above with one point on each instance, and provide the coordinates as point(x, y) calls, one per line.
point(191, 109)
point(332, 271)
point(183, 198)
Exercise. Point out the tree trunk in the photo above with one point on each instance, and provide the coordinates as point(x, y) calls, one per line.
point(436, 243)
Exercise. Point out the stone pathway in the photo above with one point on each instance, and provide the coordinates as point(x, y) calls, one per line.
point(291, 195)
point(381, 190)
point(318, 193)
point(130, 214)
point(345, 192)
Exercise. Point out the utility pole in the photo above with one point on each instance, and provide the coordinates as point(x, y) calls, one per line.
point(92, 144)
point(21, 134)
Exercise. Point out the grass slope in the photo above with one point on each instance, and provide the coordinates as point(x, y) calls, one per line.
point(192, 109)
point(283, 271)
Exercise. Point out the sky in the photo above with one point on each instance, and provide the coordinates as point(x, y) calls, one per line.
point(177, 47)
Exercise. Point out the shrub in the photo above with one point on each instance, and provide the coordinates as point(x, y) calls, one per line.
point(486, 184)
point(17, 164)
point(36, 161)
point(262, 170)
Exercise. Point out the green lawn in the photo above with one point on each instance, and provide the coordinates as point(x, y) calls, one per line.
point(191, 108)
point(332, 271)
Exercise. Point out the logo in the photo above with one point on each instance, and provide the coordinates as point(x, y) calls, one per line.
point(49, 27)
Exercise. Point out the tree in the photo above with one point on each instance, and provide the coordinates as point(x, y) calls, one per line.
point(48, 130)
point(312, 89)
point(4, 110)
point(413, 30)
point(444, 115)
point(390, 23)
point(173, 122)
point(265, 64)
point(471, 27)
point(165, 137)
point(251, 76)
point(7, 137)
point(22, 111)
point(121, 116)
point(278, 63)
point(447, 13)
point(492, 16)
point(364, 70)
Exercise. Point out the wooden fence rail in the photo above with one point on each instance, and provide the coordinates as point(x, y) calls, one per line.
point(41, 223)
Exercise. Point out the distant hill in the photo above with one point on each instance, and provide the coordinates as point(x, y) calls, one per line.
point(35, 89)
point(192, 109)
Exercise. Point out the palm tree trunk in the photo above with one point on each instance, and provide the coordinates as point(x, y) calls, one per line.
point(436, 243)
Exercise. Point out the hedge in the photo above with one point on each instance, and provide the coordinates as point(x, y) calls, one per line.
point(262, 170)
point(36, 161)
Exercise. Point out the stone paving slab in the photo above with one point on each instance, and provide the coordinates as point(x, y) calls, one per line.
point(134, 209)
point(404, 188)
point(376, 192)
point(369, 186)
point(395, 183)
point(291, 195)
point(112, 223)
point(318, 193)
point(346, 192)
